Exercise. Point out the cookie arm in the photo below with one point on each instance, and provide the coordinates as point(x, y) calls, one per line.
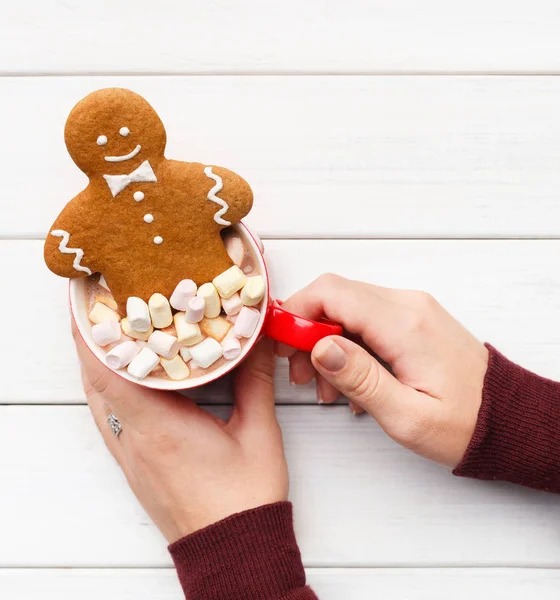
point(235, 192)
point(66, 245)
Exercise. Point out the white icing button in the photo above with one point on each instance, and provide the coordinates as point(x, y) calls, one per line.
point(158, 239)
point(149, 218)
point(101, 140)
point(138, 196)
point(124, 131)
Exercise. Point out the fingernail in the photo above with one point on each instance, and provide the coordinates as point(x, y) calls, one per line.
point(319, 397)
point(332, 357)
point(353, 408)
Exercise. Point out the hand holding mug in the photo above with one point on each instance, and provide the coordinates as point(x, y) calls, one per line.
point(188, 468)
point(429, 399)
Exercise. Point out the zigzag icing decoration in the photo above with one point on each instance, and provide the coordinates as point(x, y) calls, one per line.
point(63, 247)
point(213, 198)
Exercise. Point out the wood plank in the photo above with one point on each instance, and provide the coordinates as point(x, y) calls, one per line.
point(360, 500)
point(330, 584)
point(251, 36)
point(506, 292)
point(327, 156)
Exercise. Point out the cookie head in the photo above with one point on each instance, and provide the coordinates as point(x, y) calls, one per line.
point(113, 130)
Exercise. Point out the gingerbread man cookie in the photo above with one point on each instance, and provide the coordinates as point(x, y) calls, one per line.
point(145, 222)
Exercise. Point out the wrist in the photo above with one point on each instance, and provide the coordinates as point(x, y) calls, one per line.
point(187, 522)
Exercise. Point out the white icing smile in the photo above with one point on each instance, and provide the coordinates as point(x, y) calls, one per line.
point(125, 156)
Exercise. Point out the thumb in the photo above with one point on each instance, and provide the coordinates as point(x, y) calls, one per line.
point(364, 381)
point(254, 386)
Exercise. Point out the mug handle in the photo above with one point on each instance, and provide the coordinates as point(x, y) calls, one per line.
point(298, 332)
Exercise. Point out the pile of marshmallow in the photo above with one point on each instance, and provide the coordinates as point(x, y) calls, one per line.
point(197, 332)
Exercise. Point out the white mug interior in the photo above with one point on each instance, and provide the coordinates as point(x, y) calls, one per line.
point(79, 304)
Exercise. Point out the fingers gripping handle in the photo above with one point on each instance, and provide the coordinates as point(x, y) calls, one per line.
point(298, 332)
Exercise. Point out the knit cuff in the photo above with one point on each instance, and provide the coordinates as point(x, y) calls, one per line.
point(252, 555)
point(517, 435)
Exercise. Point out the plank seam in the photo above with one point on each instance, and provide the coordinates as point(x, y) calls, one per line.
point(203, 405)
point(282, 73)
point(334, 566)
point(344, 238)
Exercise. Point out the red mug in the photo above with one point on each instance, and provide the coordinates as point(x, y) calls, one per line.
point(275, 322)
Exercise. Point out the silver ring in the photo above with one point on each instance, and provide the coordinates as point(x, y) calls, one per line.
point(114, 424)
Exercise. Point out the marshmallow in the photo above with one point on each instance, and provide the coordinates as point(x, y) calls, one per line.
point(100, 313)
point(160, 311)
point(120, 356)
point(103, 283)
point(137, 335)
point(164, 344)
point(187, 333)
point(231, 348)
point(253, 291)
point(246, 322)
point(230, 281)
point(175, 368)
point(212, 306)
point(143, 363)
point(194, 312)
point(138, 314)
point(185, 354)
point(207, 352)
point(106, 333)
point(215, 328)
point(232, 305)
point(170, 330)
point(235, 249)
point(181, 295)
point(105, 298)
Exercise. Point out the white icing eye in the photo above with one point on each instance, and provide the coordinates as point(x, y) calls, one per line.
point(101, 140)
point(124, 131)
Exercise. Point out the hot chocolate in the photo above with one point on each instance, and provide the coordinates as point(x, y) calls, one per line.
point(195, 331)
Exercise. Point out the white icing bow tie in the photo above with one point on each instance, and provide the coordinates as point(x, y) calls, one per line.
point(117, 183)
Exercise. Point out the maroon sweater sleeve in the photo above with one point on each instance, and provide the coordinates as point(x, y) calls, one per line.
point(252, 555)
point(517, 435)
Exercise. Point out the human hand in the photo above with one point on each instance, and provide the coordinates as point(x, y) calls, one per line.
point(188, 468)
point(429, 403)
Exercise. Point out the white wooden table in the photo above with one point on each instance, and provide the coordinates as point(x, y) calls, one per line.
point(411, 144)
